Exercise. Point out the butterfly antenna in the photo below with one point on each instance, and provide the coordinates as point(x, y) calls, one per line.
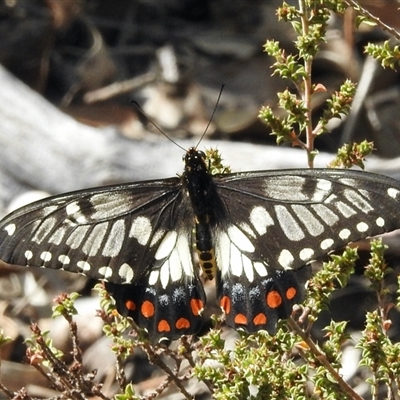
point(212, 115)
point(156, 126)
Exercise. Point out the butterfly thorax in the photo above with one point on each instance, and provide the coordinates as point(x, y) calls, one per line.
point(200, 188)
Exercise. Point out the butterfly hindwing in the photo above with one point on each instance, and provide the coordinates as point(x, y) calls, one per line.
point(168, 301)
point(165, 312)
point(259, 304)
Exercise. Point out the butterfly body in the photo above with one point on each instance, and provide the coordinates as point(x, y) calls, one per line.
point(253, 232)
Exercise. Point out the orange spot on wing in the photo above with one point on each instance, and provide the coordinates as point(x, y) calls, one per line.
point(182, 323)
point(260, 319)
point(130, 305)
point(274, 299)
point(225, 304)
point(196, 306)
point(147, 309)
point(163, 326)
point(291, 293)
point(241, 319)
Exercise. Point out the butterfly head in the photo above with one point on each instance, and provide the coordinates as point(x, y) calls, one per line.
point(195, 160)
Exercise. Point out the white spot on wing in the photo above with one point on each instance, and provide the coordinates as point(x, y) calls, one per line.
point(77, 236)
point(246, 228)
point(222, 251)
point(125, 271)
point(328, 216)
point(313, 226)
point(261, 219)
point(57, 236)
point(157, 236)
point(345, 209)
point(48, 210)
point(357, 200)
point(45, 256)
point(288, 224)
point(248, 268)
point(326, 244)
point(348, 181)
point(324, 186)
point(74, 211)
point(362, 227)
point(110, 205)
point(260, 268)
point(239, 239)
point(72, 208)
point(28, 255)
point(165, 272)
point(306, 254)
point(65, 260)
point(286, 259)
point(153, 277)
point(288, 188)
point(10, 229)
point(176, 261)
point(236, 261)
point(115, 239)
point(44, 229)
point(141, 230)
point(166, 246)
point(380, 222)
point(394, 193)
point(84, 266)
point(94, 241)
point(344, 234)
point(106, 272)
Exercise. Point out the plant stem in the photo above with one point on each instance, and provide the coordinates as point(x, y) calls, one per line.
point(307, 90)
point(354, 4)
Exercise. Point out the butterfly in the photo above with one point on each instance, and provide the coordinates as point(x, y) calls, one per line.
point(252, 232)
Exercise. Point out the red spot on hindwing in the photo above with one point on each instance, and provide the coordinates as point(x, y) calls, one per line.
point(147, 309)
point(273, 299)
point(163, 326)
point(225, 304)
point(260, 319)
point(240, 319)
point(291, 293)
point(197, 306)
point(182, 323)
point(130, 305)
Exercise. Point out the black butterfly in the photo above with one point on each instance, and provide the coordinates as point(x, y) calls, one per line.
point(253, 232)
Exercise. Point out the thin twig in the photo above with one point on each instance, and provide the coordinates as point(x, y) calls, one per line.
point(307, 93)
point(321, 357)
point(118, 88)
point(354, 4)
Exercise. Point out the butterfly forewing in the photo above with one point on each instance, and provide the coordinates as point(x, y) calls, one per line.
point(293, 217)
point(110, 233)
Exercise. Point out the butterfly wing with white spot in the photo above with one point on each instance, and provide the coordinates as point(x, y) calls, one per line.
point(168, 302)
point(110, 233)
point(293, 217)
point(279, 221)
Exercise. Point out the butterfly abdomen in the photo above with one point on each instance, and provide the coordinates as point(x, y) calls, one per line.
point(199, 186)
